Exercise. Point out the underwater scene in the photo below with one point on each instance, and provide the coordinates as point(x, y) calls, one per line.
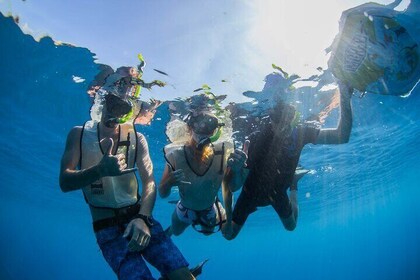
point(210, 139)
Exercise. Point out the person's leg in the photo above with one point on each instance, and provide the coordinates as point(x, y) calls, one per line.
point(134, 267)
point(283, 206)
point(125, 264)
point(163, 254)
point(299, 173)
point(294, 204)
point(244, 206)
point(177, 226)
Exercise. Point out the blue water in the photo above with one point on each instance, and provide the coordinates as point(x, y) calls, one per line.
point(359, 210)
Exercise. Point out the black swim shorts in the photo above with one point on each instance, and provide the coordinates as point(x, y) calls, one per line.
point(247, 204)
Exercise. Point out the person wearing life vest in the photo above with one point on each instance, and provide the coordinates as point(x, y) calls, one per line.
point(199, 168)
point(101, 160)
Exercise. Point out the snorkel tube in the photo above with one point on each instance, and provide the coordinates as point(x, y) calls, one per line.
point(219, 112)
point(140, 74)
point(216, 135)
point(133, 92)
point(295, 120)
point(126, 117)
point(207, 140)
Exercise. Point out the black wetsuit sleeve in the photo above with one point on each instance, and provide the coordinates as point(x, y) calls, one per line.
point(310, 133)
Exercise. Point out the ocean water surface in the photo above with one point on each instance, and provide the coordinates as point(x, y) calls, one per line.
point(359, 211)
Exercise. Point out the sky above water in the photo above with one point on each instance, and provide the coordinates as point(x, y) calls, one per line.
point(195, 42)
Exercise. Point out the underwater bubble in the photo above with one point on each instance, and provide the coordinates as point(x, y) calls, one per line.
point(77, 79)
point(327, 169)
point(308, 195)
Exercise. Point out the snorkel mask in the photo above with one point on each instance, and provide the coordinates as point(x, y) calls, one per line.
point(205, 127)
point(119, 109)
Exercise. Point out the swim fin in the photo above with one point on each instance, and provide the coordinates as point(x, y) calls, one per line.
point(198, 269)
point(195, 271)
point(299, 173)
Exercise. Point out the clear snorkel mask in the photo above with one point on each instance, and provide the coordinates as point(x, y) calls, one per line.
point(119, 110)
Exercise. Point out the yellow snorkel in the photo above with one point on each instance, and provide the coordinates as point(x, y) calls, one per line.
point(140, 74)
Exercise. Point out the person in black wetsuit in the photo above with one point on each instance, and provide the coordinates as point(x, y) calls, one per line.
point(273, 157)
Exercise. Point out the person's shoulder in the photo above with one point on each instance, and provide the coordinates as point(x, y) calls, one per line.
point(73, 137)
point(311, 125)
point(173, 153)
point(75, 131)
point(77, 128)
point(172, 149)
point(309, 131)
point(140, 135)
point(141, 139)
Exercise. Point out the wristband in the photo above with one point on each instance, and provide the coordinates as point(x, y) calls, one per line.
point(147, 219)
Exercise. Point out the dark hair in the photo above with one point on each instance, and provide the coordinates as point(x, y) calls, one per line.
point(282, 112)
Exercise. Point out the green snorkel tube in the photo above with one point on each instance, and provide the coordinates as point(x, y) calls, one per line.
point(126, 117)
point(295, 120)
point(217, 135)
point(140, 68)
point(137, 91)
point(219, 111)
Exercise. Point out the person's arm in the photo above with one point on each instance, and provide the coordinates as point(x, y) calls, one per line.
point(236, 178)
point(137, 228)
point(340, 134)
point(236, 172)
point(166, 183)
point(153, 83)
point(73, 179)
point(170, 178)
point(145, 166)
point(227, 201)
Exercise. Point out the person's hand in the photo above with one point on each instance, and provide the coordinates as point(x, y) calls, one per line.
point(177, 177)
point(111, 165)
point(237, 159)
point(154, 103)
point(140, 235)
point(159, 83)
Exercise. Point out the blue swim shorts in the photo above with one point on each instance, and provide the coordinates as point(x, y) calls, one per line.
point(161, 253)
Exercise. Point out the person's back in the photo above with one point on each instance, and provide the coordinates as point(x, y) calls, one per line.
point(272, 162)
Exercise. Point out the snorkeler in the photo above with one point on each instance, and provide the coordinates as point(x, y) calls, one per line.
point(101, 160)
point(273, 157)
point(199, 167)
point(125, 79)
